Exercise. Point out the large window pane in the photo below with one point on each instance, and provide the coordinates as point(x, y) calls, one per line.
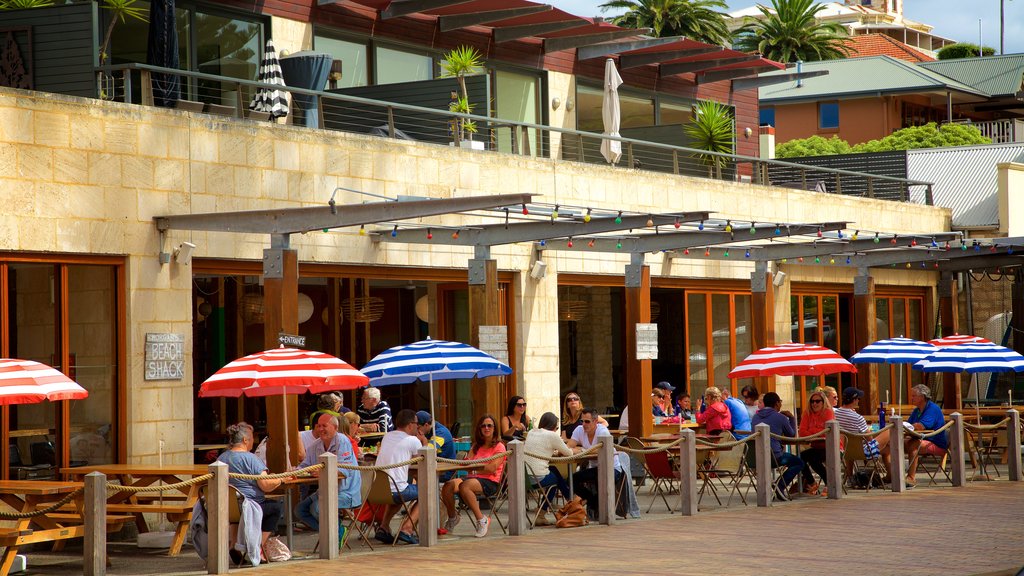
point(226, 47)
point(92, 338)
point(675, 113)
point(353, 57)
point(635, 112)
point(516, 100)
point(588, 109)
point(697, 343)
point(721, 333)
point(33, 303)
point(744, 338)
point(393, 66)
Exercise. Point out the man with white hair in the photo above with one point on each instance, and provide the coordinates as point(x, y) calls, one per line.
point(926, 416)
point(374, 413)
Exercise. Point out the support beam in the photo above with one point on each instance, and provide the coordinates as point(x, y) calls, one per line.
point(456, 21)
point(398, 8)
point(780, 251)
point(295, 220)
point(645, 58)
point(666, 70)
point(509, 33)
point(638, 372)
point(484, 311)
point(569, 42)
point(762, 314)
point(732, 73)
point(949, 318)
point(865, 331)
point(281, 314)
point(984, 261)
point(610, 48)
point(751, 83)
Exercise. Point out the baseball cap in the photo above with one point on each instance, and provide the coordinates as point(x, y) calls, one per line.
point(665, 386)
point(423, 417)
point(850, 394)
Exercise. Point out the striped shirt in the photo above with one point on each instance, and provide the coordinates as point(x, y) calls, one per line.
point(850, 421)
point(379, 415)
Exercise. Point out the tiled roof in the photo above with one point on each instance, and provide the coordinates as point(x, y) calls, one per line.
point(881, 45)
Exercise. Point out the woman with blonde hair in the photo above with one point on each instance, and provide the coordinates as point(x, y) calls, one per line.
point(348, 425)
point(715, 416)
point(830, 394)
point(816, 414)
point(572, 414)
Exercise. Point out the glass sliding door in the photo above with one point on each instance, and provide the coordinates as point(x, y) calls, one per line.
point(353, 58)
point(392, 66)
point(517, 97)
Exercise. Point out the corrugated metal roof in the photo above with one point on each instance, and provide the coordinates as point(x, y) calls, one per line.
point(996, 75)
point(857, 76)
point(965, 178)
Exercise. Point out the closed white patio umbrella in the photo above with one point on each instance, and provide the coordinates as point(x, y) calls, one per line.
point(611, 149)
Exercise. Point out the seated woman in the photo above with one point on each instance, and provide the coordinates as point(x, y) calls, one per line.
point(715, 416)
point(545, 440)
point(241, 460)
point(818, 412)
point(572, 415)
point(486, 481)
point(515, 422)
point(349, 426)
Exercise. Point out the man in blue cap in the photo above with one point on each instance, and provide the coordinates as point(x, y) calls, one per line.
point(439, 437)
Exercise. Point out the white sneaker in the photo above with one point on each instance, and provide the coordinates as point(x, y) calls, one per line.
point(452, 522)
point(481, 527)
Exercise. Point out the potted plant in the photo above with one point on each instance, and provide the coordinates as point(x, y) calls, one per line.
point(712, 130)
point(458, 63)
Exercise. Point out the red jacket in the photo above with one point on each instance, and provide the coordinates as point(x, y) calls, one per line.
point(716, 417)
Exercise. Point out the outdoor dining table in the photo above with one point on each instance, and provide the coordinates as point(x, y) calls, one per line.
point(177, 505)
point(30, 495)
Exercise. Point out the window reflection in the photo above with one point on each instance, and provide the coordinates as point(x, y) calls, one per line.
point(393, 66)
point(353, 57)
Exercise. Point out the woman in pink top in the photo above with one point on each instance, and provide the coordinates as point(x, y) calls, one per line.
point(487, 481)
point(818, 412)
point(715, 417)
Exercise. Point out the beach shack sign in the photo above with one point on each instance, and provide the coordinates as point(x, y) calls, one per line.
point(165, 356)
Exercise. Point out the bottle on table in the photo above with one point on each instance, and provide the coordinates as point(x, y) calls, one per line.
point(881, 415)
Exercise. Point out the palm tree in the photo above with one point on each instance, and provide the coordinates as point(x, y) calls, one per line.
point(696, 19)
point(789, 31)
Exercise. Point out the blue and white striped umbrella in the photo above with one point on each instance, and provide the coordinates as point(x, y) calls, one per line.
point(894, 351)
point(429, 360)
point(972, 358)
point(270, 100)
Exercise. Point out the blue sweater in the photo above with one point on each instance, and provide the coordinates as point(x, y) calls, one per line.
point(779, 424)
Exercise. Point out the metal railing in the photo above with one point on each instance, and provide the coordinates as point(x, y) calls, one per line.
point(230, 96)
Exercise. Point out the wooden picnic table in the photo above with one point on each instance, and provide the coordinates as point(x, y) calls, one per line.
point(57, 526)
point(176, 505)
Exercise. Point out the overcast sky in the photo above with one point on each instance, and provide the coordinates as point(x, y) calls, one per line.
point(954, 19)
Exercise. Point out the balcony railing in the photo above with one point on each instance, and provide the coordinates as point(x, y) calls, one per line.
point(1001, 131)
point(230, 96)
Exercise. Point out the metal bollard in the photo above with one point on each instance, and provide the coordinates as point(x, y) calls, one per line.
point(328, 502)
point(95, 542)
point(217, 519)
point(1013, 445)
point(429, 506)
point(606, 480)
point(516, 474)
point(763, 454)
point(688, 472)
point(958, 473)
point(896, 471)
point(833, 461)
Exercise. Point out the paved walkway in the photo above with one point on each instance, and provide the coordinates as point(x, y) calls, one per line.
point(975, 530)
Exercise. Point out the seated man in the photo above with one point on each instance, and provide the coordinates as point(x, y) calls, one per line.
point(582, 439)
point(782, 423)
point(438, 436)
point(399, 445)
point(545, 440)
point(926, 416)
point(851, 421)
point(374, 412)
point(737, 412)
point(349, 486)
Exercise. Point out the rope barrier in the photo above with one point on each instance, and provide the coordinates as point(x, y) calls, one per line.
point(801, 439)
point(729, 444)
point(659, 448)
point(868, 434)
point(158, 488)
point(985, 427)
point(916, 434)
point(281, 476)
point(381, 467)
point(556, 459)
point(41, 511)
point(473, 462)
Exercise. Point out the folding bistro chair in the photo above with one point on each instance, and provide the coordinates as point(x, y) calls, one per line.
point(933, 465)
point(538, 495)
point(853, 455)
point(637, 468)
point(664, 475)
point(730, 464)
point(494, 502)
point(380, 494)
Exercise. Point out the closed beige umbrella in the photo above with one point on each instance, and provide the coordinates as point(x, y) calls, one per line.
point(611, 149)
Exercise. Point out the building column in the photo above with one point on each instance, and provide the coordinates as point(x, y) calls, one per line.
point(484, 311)
point(280, 314)
point(865, 331)
point(638, 372)
point(1017, 309)
point(949, 317)
point(762, 316)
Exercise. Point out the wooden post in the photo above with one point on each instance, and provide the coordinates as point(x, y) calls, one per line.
point(426, 473)
point(956, 450)
point(865, 331)
point(762, 316)
point(638, 372)
point(896, 471)
point(94, 544)
point(948, 317)
point(484, 310)
point(688, 472)
point(606, 480)
point(763, 457)
point(516, 474)
point(145, 85)
point(328, 490)
point(217, 519)
point(833, 461)
point(1013, 445)
point(280, 314)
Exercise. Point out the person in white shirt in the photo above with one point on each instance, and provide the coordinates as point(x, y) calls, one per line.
point(545, 439)
point(583, 438)
point(401, 444)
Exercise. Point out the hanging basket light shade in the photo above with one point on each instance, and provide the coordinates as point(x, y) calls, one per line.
point(363, 308)
point(251, 308)
point(305, 306)
point(572, 310)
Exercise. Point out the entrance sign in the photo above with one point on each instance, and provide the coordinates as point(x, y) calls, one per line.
point(291, 340)
point(165, 356)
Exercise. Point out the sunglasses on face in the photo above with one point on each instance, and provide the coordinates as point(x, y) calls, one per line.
point(520, 403)
point(588, 421)
point(573, 398)
point(816, 401)
point(487, 425)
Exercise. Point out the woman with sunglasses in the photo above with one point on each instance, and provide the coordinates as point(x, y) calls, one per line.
point(818, 412)
point(572, 415)
point(515, 422)
point(486, 481)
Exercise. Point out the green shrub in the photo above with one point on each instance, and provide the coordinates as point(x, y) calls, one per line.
point(813, 146)
point(963, 50)
point(928, 136)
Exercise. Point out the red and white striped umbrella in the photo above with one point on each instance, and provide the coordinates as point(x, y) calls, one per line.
point(29, 382)
point(282, 371)
point(792, 359)
point(957, 339)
